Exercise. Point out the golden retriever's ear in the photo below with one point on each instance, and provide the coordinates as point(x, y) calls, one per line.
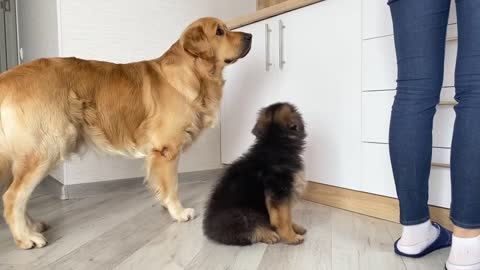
point(196, 42)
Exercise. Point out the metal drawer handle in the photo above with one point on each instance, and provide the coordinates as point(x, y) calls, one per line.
point(441, 165)
point(267, 47)
point(281, 60)
point(447, 103)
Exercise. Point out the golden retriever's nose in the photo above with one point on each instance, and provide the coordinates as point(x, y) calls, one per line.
point(247, 36)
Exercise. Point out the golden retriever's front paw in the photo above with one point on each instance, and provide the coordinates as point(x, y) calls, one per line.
point(31, 240)
point(185, 215)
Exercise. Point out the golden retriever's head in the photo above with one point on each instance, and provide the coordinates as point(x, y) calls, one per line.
point(210, 39)
point(281, 119)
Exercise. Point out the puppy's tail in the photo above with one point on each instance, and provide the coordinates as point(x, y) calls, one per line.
point(234, 226)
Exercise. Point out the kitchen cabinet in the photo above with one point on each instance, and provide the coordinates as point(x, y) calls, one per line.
point(377, 22)
point(380, 64)
point(336, 61)
point(379, 72)
point(321, 74)
point(376, 110)
point(377, 175)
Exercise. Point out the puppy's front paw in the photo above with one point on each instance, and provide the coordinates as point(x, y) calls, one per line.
point(295, 239)
point(299, 229)
point(184, 215)
point(270, 237)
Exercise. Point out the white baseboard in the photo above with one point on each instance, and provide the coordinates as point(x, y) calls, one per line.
point(76, 191)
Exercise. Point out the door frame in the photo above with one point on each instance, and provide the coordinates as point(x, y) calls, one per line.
point(9, 34)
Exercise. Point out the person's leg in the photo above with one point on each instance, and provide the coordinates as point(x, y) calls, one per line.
point(465, 159)
point(420, 33)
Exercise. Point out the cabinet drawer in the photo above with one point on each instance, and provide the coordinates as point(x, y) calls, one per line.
point(377, 21)
point(379, 68)
point(452, 18)
point(376, 172)
point(376, 110)
point(377, 176)
point(441, 157)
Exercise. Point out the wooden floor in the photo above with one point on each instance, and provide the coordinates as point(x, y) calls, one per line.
point(128, 230)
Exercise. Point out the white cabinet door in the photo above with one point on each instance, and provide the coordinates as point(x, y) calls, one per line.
point(249, 86)
point(377, 176)
point(380, 66)
point(377, 20)
point(376, 111)
point(322, 76)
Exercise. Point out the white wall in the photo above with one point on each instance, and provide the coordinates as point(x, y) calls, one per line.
point(38, 37)
point(37, 28)
point(59, 173)
point(125, 31)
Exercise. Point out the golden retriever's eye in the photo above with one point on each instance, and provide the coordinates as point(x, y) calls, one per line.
point(220, 32)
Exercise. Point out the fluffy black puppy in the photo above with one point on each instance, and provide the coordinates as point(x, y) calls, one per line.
point(252, 201)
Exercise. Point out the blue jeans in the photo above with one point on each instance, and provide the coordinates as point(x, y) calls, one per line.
point(420, 33)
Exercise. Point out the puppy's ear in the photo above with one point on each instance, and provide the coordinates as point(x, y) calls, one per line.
point(195, 41)
point(262, 122)
point(258, 129)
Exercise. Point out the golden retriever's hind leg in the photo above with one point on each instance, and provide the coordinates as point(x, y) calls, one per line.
point(27, 174)
point(162, 178)
point(36, 226)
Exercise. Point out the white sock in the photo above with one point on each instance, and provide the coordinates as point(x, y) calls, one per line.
point(416, 238)
point(465, 254)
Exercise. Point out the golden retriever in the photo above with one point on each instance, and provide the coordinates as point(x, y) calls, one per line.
point(152, 109)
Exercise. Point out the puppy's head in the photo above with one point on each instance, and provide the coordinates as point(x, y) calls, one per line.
point(210, 39)
point(284, 117)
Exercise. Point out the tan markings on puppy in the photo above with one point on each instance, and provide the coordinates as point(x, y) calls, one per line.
point(299, 184)
point(283, 115)
point(265, 235)
point(287, 117)
point(280, 213)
